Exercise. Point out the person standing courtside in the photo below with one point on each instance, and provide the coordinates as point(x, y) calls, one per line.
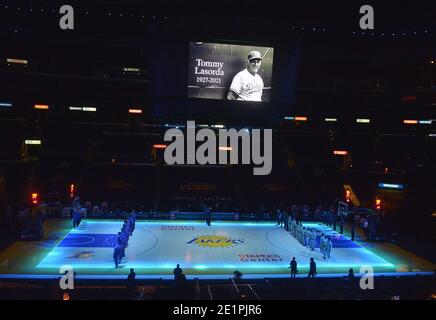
point(312, 269)
point(177, 272)
point(131, 282)
point(293, 266)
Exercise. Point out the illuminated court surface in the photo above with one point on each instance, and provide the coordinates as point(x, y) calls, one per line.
point(221, 248)
point(255, 249)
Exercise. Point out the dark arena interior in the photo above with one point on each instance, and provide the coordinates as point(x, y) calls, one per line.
point(178, 150)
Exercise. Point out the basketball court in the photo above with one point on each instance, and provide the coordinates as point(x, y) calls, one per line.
point(257, 249)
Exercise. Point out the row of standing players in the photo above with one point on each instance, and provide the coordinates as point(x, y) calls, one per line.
point(123, 239)
point(309, 237)
point(329, 217)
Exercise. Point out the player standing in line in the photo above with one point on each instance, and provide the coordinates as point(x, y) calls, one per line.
point(322, 246)
point(312, 240)
point(329, 246)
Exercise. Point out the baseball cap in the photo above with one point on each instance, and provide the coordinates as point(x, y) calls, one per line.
point(254, 55)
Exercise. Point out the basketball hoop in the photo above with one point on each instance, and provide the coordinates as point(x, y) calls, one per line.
point(342, 209)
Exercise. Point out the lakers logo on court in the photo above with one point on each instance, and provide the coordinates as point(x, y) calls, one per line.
point(216, 241)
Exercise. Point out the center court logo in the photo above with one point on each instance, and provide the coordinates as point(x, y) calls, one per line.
point(216, 241)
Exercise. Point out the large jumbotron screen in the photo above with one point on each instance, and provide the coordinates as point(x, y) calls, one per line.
point(200, 79)
point(230, 72)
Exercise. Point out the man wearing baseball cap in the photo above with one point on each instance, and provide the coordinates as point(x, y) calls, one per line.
point(247, 85)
